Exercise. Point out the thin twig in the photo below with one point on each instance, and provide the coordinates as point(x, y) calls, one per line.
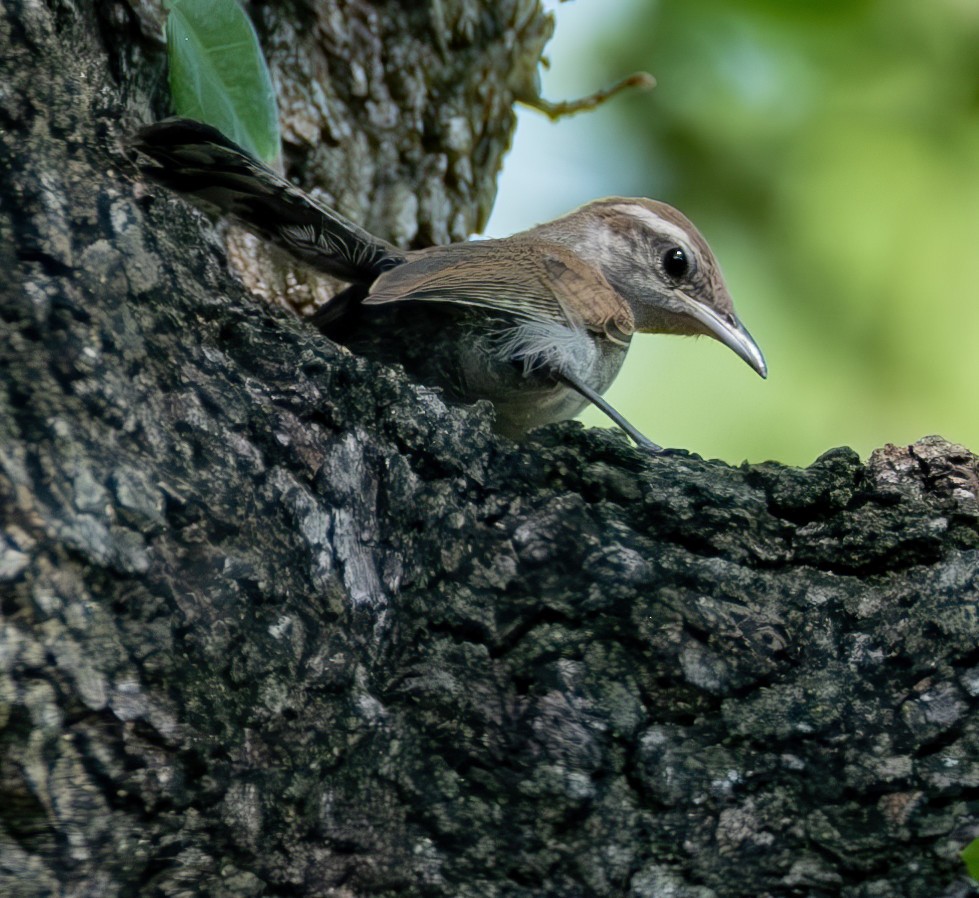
point(554, 111)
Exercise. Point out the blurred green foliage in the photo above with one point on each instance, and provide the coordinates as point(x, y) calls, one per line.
point(829, 150)
point(970, 857)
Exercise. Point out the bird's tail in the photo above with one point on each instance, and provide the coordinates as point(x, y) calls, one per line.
point(199, 161)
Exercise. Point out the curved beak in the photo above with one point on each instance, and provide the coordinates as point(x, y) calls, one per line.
point(731, 332)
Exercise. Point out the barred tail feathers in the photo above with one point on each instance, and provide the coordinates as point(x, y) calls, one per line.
point(199, 162)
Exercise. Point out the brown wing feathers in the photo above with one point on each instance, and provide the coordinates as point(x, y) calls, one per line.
point(552, 284)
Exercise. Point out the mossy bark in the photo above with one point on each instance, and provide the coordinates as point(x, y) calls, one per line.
point(276, 621)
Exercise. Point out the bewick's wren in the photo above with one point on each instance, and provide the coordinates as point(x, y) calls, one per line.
point(538, 323)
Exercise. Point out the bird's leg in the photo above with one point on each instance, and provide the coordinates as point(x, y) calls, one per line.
point(643, 442)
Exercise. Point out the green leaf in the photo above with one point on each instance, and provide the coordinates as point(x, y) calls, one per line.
point(970, 855)
point(218, 74)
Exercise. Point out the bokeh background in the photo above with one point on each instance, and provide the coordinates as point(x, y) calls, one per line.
point(829, 151)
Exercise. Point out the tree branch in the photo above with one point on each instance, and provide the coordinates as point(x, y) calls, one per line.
point(276, 621)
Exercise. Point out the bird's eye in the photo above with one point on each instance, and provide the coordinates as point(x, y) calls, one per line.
point(675, 262)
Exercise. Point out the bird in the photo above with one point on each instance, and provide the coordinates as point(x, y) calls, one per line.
point(539, 323)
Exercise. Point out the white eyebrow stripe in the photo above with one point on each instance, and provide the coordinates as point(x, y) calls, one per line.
point(660, 224)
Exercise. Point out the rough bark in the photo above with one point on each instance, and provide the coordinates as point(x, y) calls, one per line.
point(277, 622)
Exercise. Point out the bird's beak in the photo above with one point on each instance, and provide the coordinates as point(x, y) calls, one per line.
point(732, 333)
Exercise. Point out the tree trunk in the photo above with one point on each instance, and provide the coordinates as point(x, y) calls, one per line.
point(276, 621)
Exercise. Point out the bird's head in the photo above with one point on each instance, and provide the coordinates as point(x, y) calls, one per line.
point(660, 264)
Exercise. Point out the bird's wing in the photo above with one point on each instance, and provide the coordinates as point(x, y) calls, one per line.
point(534, 281)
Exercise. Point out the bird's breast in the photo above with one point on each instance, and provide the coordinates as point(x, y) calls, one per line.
point(473, 355)
point(513, 365)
